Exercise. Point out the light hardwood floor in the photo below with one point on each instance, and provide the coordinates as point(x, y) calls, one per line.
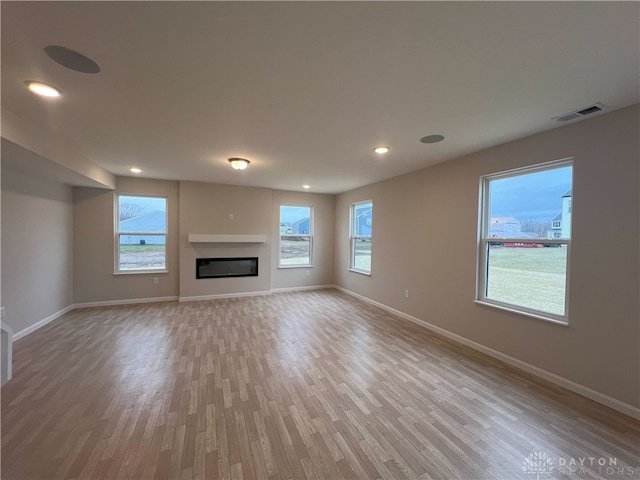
point(291, 385)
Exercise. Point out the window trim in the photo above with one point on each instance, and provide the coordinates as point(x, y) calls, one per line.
point(116, 237)
point(310, 235)
point(353, 238)
point(484, 240)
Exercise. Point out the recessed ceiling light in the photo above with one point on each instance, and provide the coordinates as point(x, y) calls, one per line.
point(70, 59)
point(42, 89)
point(306, 187)
point(432, 139)
point(239, 163)
point(135, 170)
point(381, 149)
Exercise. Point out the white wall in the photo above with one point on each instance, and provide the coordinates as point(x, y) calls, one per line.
point(424, 240)
point(37, 243)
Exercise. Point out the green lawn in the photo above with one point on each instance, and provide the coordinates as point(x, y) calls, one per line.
point(530, 277)
point(141, 248)
point(295, 251)
point(362, 256)
point(142, 256)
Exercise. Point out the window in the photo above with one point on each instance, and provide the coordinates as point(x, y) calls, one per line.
point(296, 230)
point(141, 234)
point(522, 264)
point(361, 228)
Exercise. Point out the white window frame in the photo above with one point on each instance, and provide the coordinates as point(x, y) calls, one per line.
point(298, 235)
point(353, 238)
point(484, 239)
point(117, 234)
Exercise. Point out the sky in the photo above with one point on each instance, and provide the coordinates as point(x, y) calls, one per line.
point(148, 204)
point(536, 196)
point(291, 214)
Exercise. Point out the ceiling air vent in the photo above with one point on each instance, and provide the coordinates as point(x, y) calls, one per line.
point(583, 112)
point(588, 110)
point(570, 116)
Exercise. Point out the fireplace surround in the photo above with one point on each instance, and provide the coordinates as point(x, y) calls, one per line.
point(226, 267)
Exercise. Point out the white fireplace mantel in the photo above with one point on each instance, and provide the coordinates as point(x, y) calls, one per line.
point(218, 238)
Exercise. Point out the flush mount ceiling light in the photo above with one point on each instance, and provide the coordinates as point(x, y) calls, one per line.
point(306, 186)
point(432, 139)
point(135, 170)
point(42, 89)
point(239, 163)
point(381, 149)
point(70, 59)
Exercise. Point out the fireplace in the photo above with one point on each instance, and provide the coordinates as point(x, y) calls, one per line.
point(226, 267)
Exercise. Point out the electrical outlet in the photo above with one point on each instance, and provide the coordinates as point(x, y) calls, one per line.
point(231, 217)
point(406, 294)
point(308, 272)
point(155, 280)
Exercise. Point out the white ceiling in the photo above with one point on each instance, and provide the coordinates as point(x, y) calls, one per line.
point(305, 90)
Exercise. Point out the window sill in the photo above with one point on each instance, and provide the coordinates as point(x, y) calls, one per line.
point(140, 272)
point(286, 267)
point(516, 310)
point(361, 272)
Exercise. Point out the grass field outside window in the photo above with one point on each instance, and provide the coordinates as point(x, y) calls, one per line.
point(525, 240)
point(528, 277)
point(140, 234)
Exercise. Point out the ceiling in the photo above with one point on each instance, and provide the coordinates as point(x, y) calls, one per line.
point(305, 90)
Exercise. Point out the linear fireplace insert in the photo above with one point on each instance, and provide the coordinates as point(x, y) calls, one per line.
point(226, 267)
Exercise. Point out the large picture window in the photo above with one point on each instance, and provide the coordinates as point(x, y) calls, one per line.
point(141, 234)
point(525, 240)
point(361, 230)
point(296, 236)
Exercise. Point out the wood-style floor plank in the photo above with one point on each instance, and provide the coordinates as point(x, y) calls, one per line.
point(305, 385)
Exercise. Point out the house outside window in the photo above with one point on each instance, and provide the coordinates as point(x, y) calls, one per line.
point(525, 240)
point(140, 234)
point(296, 236)
point(360, 237)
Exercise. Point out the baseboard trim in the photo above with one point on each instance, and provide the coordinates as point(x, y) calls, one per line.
point(301, 289)
point(6, 351)
point(224, 295)
point(41, 323)
point(594, 395)
point(132, 301)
